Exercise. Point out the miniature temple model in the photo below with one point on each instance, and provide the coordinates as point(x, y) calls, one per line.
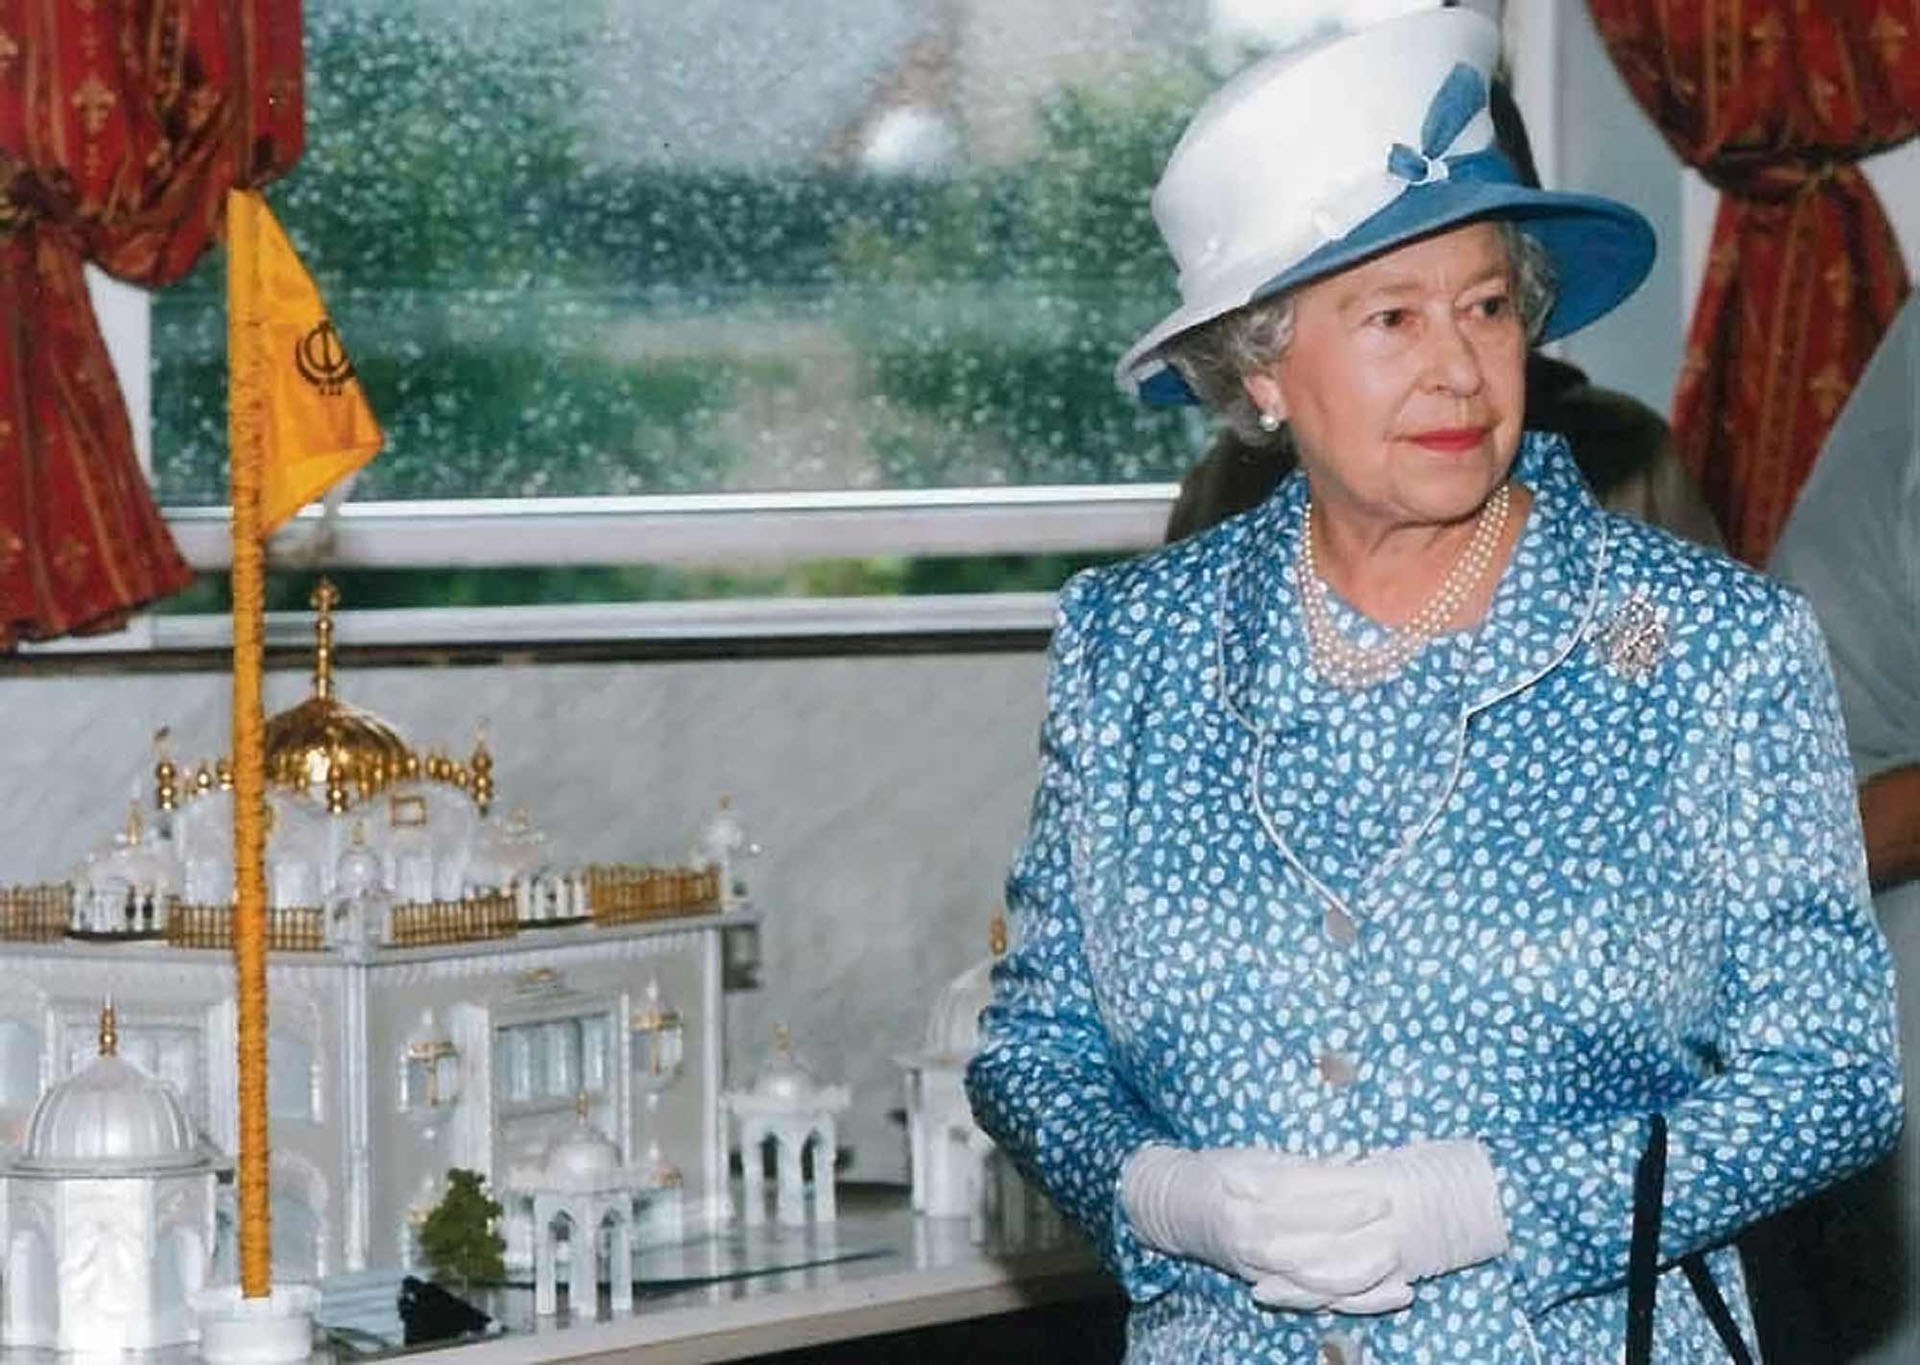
point(108, 1213)
point(946, 1150)
point(957, 1170)
point(446, 992)
point(582, 1202)
point(371, 842)
point(787, 1108)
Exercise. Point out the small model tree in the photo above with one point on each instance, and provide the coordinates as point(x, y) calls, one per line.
point(459, 1237)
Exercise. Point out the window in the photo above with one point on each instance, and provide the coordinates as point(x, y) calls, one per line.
point(19, 1068)
point(550, 1063)
point(626, 262)
point(290, 1079)
point(626, 248)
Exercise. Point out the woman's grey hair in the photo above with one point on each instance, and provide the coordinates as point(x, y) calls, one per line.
point(1216, 357)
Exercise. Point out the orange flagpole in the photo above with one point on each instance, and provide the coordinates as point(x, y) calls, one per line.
point(246, 390)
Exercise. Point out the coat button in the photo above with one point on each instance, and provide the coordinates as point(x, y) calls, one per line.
point(1337, 1069)
point(1339, 927)
point(1337, 1348)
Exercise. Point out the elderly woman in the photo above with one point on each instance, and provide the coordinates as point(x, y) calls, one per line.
point(1406, 844)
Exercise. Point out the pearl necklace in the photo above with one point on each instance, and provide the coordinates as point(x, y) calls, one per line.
point(1346, 665)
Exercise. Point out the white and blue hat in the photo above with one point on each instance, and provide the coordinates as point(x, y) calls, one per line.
point(1316, 159)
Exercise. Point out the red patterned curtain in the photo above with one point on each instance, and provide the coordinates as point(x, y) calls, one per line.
point(1774, 101)
point(122, 125)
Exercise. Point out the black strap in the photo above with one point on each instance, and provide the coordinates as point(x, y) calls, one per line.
point(1716, 1308)
point(1649, 1195)
point(1649, 1182)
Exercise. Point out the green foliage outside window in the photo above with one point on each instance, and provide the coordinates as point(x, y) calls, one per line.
point(532, 317)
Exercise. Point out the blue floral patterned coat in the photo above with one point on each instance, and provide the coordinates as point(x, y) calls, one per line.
point(1628, 876)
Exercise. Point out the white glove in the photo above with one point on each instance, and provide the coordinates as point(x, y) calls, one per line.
point(1307, 1234)
point(1446, 1205)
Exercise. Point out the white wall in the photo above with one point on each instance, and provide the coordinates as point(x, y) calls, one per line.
point(1605, 145)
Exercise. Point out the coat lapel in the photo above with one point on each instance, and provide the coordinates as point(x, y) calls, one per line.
point(1543, 608)
point(1548, 597)
point(1260, 652)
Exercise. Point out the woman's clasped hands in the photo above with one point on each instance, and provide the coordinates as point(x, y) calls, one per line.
point(1350, 1237)
point(1306, 1234)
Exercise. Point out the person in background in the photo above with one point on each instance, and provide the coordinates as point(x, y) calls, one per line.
point(1838, 1279)
point(1624, 449)
point(1404, 846)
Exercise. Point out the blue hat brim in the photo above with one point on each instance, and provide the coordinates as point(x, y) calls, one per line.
point(1601, 251)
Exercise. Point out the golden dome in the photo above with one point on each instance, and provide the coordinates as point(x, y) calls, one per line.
point(323, 742)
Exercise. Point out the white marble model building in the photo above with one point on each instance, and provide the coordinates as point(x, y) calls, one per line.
point(106, 1213)
point(443, 991)
point(946, 1150)
point(790, 1110)
point(956, 1169)
point(581, 1198)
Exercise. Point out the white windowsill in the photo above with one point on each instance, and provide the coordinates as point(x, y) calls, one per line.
point(720, 529)
point(716, 621)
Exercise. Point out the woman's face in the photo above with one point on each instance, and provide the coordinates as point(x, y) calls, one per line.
point(1404, 383)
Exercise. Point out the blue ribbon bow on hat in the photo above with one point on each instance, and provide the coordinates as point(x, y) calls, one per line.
point(1461, 98)
point(1462, 95)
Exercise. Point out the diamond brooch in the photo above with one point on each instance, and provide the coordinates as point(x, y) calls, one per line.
point(1634, 640)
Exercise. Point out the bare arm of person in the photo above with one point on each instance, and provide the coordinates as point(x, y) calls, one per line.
point(1890, 814)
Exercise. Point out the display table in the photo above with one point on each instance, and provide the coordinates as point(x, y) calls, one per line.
point(879, 1268)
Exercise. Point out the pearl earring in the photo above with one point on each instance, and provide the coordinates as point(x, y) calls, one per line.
point(1269, 422)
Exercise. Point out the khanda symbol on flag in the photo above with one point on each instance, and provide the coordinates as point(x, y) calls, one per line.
point(290, 377)
point(322, 359)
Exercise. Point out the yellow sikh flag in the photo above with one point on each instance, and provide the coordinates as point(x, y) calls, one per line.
point(297, 405)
